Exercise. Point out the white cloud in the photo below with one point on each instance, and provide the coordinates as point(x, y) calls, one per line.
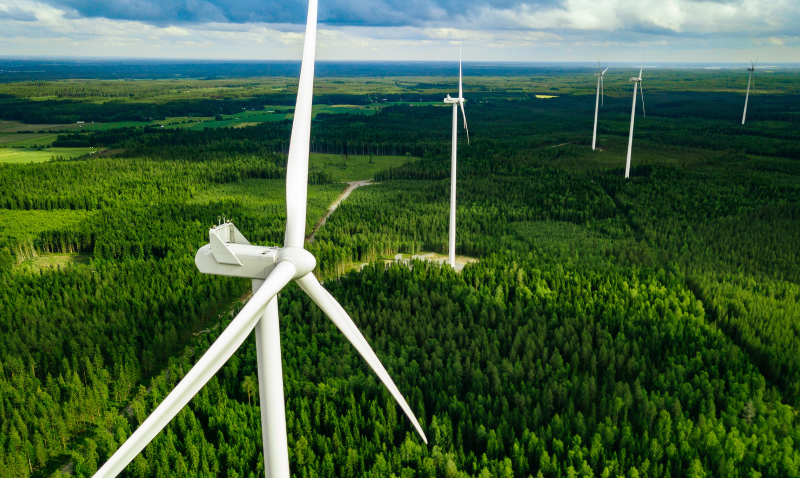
point(677, 16)
point(671, 30)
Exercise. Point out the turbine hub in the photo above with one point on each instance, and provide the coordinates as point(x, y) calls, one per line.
point(303, 260)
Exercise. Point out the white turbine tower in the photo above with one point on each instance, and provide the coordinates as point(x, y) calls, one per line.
point(600, 91)
point(752, 71)
point(637, 82)
point(456, 102)
point(271, 269)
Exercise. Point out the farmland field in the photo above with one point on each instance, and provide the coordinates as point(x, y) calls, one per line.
point(353, 167)
point(37, 155)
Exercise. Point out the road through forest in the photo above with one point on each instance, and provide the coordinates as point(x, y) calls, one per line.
point(352, 187)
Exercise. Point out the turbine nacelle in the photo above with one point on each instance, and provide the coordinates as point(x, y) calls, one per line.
point(229, 254)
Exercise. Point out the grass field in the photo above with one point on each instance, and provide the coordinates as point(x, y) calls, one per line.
point(13, 139)
point(353, 168)
point(266, 199)
point(9, 127)
point(53, 261)
point(30, 155)
point(28, 140)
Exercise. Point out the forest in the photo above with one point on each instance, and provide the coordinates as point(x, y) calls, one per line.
point(647, 327)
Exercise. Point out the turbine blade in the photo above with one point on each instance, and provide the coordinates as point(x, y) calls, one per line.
point(464, 114)
point(460, 88)
point(345, 324)
point(598, 63)
point(641, 93)
point(604, 71)
point(602, 91)
point(297, 166)
point(205, 368)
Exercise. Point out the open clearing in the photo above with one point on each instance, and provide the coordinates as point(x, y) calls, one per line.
point(16, 127)
point(28, 140)
point(53, 261)
point(461, 261)
point(354, 168)
point(30, 155)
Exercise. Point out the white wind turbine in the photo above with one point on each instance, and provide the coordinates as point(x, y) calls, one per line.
point(600, 91)
point(637, 82)
point(271, 269)
point(456, 102)
point(752, 71)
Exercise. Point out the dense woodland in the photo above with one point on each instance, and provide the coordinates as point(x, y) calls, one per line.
point(639, 328)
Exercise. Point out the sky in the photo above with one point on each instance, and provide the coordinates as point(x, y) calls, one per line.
point(403, 30)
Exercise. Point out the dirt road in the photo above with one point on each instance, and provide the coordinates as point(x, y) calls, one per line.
point(352, 186)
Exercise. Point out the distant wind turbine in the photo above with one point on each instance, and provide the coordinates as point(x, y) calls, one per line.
point(752, 71)
point(456, 102)
point(600, 91)
point(270, 269)
point(637, 82)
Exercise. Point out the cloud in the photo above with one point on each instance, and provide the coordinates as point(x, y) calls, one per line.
point(15, 13)
point(655, 16)
point(676, 16)
point(517, 30)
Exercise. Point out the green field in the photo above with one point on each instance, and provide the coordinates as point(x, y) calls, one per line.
point(30, 155)
point(27, 140)
point(53, 261)
point(353, 168)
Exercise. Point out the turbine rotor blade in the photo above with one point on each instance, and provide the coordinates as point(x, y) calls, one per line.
point(345, 324)
point(641, 93)
point(641, 69)
point(297, 165)
point(205, 368)
point(604, 71)
point(460, 87)
point(598, 63)
point(464, 114)
point(602, 91)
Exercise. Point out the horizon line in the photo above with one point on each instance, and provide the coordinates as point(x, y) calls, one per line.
point(489, 62)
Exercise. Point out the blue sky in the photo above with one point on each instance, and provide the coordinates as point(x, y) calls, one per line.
point(506, 30)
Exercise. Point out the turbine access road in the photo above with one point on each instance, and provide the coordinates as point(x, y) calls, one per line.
point(352, 187)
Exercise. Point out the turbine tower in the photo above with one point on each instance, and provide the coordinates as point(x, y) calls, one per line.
point(752, 71)
point(637, 82)
point(456, 102)
point(270, 269)
point(600, 91)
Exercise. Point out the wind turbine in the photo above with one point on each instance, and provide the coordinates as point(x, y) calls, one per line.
point(637, 82)
point(456, 102)
point(600, 87)
point(752, 71)
point(271, 269)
